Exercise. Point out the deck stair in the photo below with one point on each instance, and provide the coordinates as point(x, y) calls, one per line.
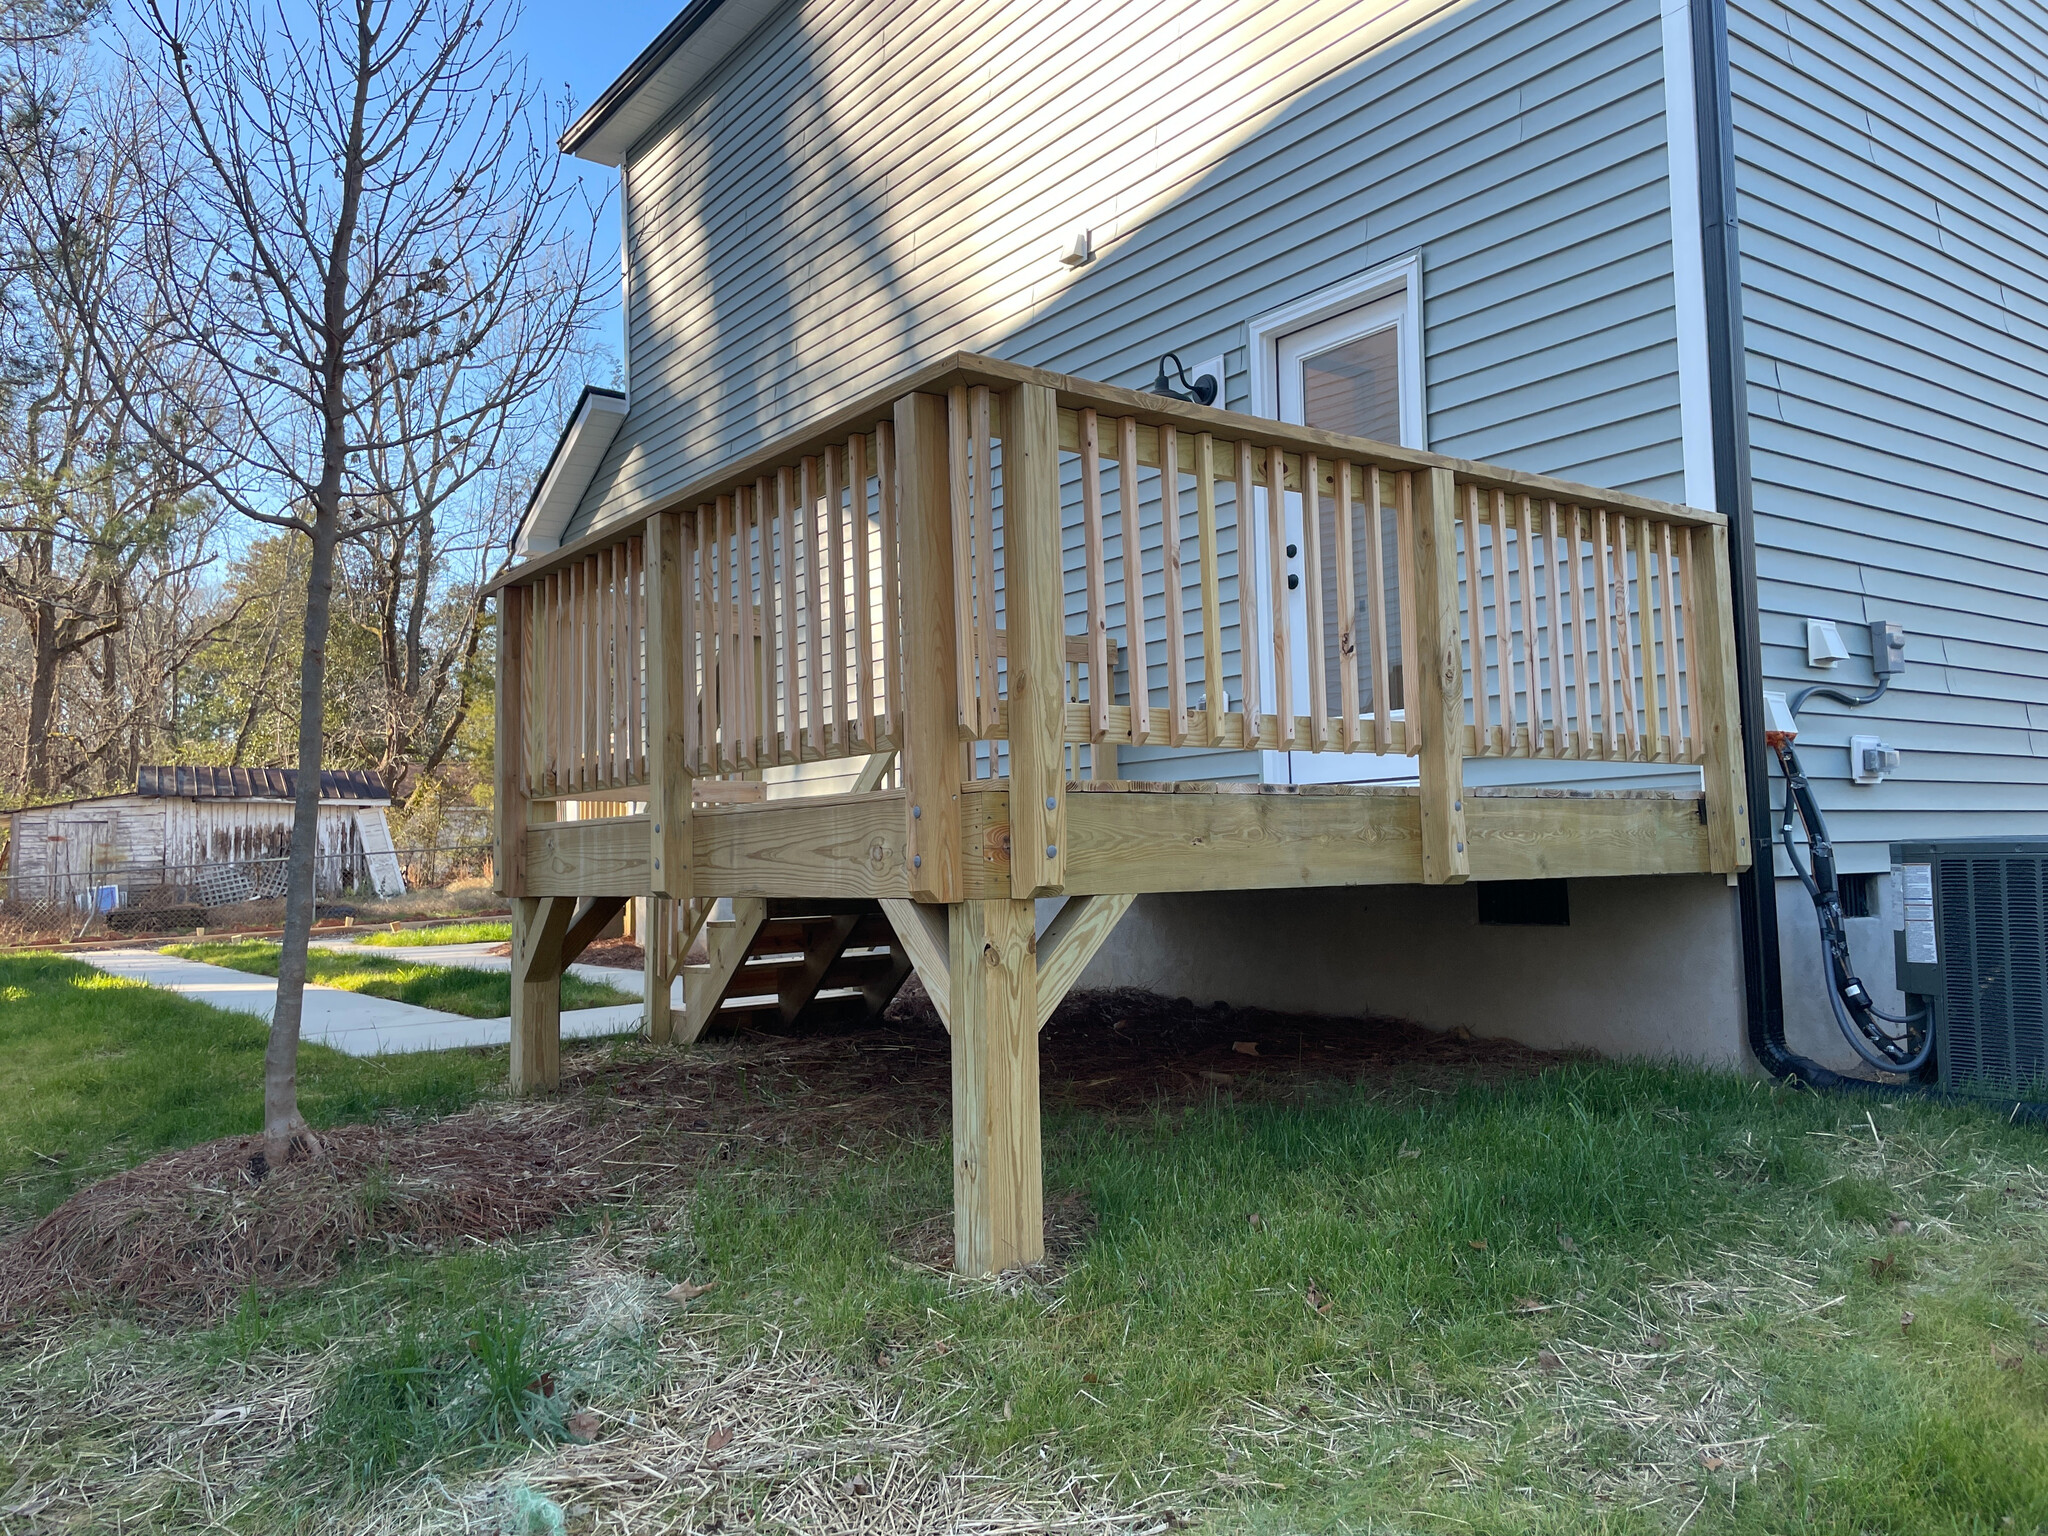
point(794, 961)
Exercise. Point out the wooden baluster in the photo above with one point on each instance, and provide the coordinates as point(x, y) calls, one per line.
point(863, 598)
point(1436, 709)
point(1101, 686)
point(1581, 649)
point(746, 514)
point(1475, 611)
point(837, 732)
point(1212, 589)
point(636, 661)
point(813, 629)
point(508, 845)
point(1247, 596)
point(1531, 630)
point(1376, 610)
point(1503, 624)
point(1130, 527)
point(1170, 588)
point(1347, 609)
point(622, 743)
point(1037, 641)
point(1312, 598)
point(984, 562)
point(768, 500)
point(533, 681)
point(929, 498)
point(1603, 604)
point(1276, 544)
point(1676, 619)
point(1560, 728)
point(728, 650)
point(892, 565)
point(1624, 667)
point(1405, 599)
point(703, 755)
point(1646, 623)
point(592, 626)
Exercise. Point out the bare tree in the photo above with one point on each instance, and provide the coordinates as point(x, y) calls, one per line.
point(102, 519)
point(369, 196)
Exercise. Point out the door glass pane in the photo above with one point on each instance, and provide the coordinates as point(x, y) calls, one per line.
point(1355, 388)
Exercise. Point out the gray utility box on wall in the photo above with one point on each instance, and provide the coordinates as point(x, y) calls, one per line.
point(1972, 938)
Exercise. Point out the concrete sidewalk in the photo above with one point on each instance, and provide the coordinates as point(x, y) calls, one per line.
point(476, 957)
point(350, 1022)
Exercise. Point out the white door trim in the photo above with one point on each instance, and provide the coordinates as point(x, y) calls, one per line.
point(1688, 256)
point(1400, 277)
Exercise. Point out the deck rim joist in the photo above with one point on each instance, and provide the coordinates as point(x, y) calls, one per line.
point(1134, 838)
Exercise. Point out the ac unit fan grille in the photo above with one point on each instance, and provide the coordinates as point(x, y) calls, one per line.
point(1995, 964)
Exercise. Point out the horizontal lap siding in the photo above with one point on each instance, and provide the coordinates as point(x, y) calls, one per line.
point(1893, 177)
point(868, 184)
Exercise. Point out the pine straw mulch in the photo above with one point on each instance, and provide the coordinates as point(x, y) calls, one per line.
point(184, 1235)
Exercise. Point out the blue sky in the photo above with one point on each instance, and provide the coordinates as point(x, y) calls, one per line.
point(585, 45)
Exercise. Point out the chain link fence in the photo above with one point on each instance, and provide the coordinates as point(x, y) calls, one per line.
point(162, 900)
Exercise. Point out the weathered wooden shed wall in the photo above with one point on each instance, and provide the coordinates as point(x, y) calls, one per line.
point(143, 832)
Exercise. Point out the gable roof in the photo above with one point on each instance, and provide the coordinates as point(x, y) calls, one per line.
point(183, 783)
point(687, 50)
point(578, 451)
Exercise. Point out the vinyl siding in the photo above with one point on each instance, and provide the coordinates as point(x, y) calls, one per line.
point(868, 184)
point(1893, 183)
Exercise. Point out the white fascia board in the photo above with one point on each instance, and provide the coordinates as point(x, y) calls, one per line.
point(578, 452)
point(642, 96)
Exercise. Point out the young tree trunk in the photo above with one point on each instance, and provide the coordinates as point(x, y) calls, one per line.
point(284, 1128)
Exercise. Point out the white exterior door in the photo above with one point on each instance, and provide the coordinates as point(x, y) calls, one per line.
point(1353, 372)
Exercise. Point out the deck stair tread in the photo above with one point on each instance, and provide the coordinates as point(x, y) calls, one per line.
point(795, 962)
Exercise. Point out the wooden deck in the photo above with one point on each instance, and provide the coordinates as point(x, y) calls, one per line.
point(892, 588)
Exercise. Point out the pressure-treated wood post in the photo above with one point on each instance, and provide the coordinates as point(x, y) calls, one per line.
point(998, 1182)
point(1436, 712)
point(932, 760)
point(539, 925)
point(1717, 701)
point(508, 851)
point(668, 703)
point(1036, 611)
point(656, 973)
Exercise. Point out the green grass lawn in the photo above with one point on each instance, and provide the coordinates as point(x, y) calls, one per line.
point(1613, 1299)
point(451, 988)
point(442, 933)
point(103, 1072)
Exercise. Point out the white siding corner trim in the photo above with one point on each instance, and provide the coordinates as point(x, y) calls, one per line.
point(1688, 258)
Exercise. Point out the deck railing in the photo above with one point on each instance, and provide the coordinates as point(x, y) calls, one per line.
point(901, 577)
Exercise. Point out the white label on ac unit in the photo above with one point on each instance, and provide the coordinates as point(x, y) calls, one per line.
point(1919, 906)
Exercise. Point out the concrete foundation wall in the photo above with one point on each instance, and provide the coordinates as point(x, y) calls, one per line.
point(1810, 1027)
point(1648, 966)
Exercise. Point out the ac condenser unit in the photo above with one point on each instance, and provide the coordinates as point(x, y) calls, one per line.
point(1973, 946)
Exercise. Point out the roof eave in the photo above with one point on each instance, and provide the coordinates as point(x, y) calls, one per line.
point(661, 76)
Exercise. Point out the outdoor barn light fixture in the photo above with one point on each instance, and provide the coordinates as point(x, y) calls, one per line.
point(1201, 391)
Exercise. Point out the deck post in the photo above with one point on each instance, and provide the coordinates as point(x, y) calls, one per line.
point(668, 704)
point(998, 1177)
point(539, 926)
point(508, 851)
point(1036, 608)
point(932, 761)
point(1717, 701)
point(1436, 716)
point(657, 935)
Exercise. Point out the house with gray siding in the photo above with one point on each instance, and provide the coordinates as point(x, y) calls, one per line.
point(1780, 263)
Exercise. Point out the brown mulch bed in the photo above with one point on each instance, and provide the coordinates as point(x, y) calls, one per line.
point(186, 1234)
